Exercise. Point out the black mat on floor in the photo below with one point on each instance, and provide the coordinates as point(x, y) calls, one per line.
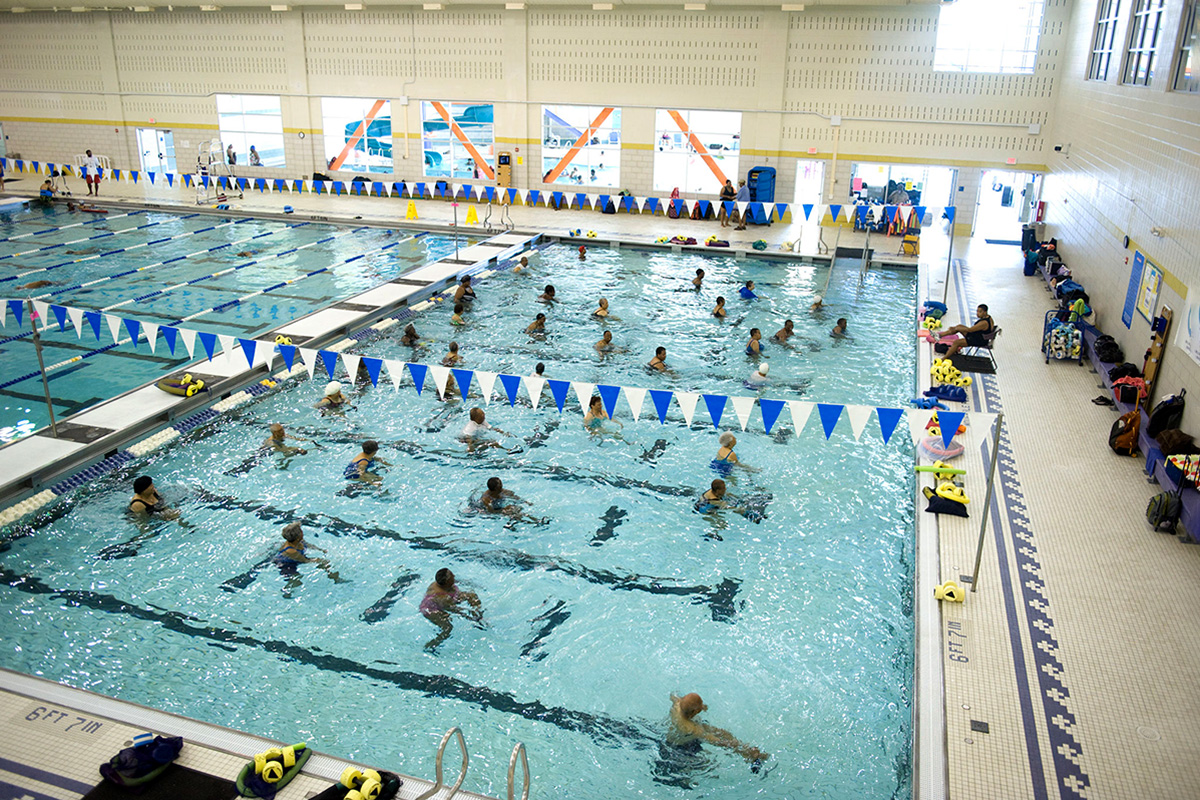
point(1016, 242)
point(972, 364)
point(176, 783)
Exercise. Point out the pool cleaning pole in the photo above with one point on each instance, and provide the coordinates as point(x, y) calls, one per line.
point(987, 501)
point(949, 256)
point(455, 206)
point(37, 346)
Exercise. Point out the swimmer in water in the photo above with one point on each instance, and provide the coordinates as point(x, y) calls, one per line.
point(539, 371)
point(754, 347)
point(686, 731)
point(522, 266)
point(758, 378)
point(596, 416)
point(333, 397)
point(464, 293)
point(277, 441)
point(410, 336)
point(726, 459)
point(538, 325)
point(582, 253)
point(747, 291)
point(719, 310)
point(547, 295)
point(294, 551)
point(659, 362)
point(605, 344)
point(37, 285)
point(360, 469)
point(602, 311)
point(498, 500)
point(475, 427)
point(839, 330)
point(817, 304)
point(245, 254)
point(146, 502)
point(442, 599)
point(452, 358)
point(457, 317)
point(785, 333)
point(698, 280)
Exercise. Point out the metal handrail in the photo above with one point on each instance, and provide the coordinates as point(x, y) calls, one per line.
point(512, 769)
point(438, 783)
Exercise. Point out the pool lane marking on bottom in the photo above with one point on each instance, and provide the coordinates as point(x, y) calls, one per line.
point(70, 242)
point(1066, 751)
point(76, 225)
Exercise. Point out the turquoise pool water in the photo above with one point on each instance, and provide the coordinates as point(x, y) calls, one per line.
point(45, 244)
point(796, 630)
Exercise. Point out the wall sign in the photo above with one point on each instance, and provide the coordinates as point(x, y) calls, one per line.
point(1148, 290)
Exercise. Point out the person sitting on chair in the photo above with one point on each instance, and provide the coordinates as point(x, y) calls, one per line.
point(973, 336)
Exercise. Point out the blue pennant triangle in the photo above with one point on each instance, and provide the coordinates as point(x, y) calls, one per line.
point(604, 201)
point(808, 207)
point(780, 209)
point(652, 204)
point(60, 313)
point(829, 416)
point(463, 378)
point(705, 207)
point(715, 403)
point(151, 176)
point(93, 319)
point(662, 402)
point(920, 212)
point(609, 395)
point(889, 213)
point(949, 421)
point(248, 348)
point(730, 207)
point(318, 186)
point(279, 184)
point(203, 180)
point(770, 412)
point(466, 189)
point(678, 205)
point(418, 372)
point(209, 341)
point(373, 366)
point(260, 184)
point(580, 199)
point(862, 214)
point(377, 188)
point(558, 199)
point(835, 212)
point(338, 187)
point(559, 390)
point(420, 190)
point(17, 309)
point(889, 418)
point(329, 359)
point(534, 197)
point(490, 192)
point(511, 384)
point(512, 195)
point(950, 214)
point(242, 183)
point(297, 186)
point(134, 327)
point(288, 352)
point(169, 334)
point(170, 179)
point(629, 203)
point(356, 187)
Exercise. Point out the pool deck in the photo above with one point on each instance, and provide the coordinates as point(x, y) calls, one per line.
point(1074, 667)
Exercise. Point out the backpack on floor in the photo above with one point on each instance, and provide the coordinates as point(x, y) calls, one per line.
point(1123, 438)
point(1167, 414)
point(1163, 511)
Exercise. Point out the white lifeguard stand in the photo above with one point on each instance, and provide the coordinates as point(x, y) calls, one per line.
point(211, 163)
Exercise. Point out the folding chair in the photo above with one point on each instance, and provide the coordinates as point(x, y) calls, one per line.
point(985, 349)
point(910, 245)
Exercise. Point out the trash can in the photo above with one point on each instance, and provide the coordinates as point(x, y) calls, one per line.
point(1029, 238)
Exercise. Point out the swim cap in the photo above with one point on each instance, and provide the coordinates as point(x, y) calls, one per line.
point(582, 249)
point(332, 388)
point(725, 438)
point(818, 299)
point(763, 368)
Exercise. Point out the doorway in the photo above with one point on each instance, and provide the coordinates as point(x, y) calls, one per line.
point(1006, 200)
point(810, 180)
point(157, 148)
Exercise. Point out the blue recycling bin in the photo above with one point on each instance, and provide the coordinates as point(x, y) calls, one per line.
point(761, 183)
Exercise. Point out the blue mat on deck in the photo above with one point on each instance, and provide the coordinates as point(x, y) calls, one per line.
point(1017, 242)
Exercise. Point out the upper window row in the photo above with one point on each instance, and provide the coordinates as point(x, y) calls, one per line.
point(1144, 44)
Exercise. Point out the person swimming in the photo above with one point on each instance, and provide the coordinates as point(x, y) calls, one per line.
point(547, 295)
point(146, 502)
point(277, 441)
point(839, 330)
point(687, 731)
point(755, 346)
point(726, 459)
point(747, 291)
point(457, 317)
point(410, 336)
point(596, 416)
point(719, 310)
point(472, 432)
point(817, 304)
point(698, 280)
point(333, 397)
point(37, 285)
point(537, 326)
point(495, 499)
point(582, 253)
point(522, 265)
point(442, 599)
point(360, 469)
point(294, 552)
point(659, 362)
point(452, 358)
point(602, 311)
point(605, 344)
point(786, 332)
point(758, 378)
point(464, 293)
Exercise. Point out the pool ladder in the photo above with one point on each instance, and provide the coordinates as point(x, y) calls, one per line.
point(518, 750)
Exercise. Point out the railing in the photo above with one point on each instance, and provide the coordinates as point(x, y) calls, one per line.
point(441, 751)
point(512, 768)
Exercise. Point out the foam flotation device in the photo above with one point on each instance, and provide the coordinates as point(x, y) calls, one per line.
point(761, 244)
point(591, 234)
point(93, 210)
point(954, 394)
point(932, 323)
point(927, 402)
point(575, 232)
point(952, 491)
point(142, 763)
point(682, 240)
point(281, 339)
point(933, 448)
point(363, 784)
point(940, 469)
point(271, 770)
point(786, 246)
point(662, 240)
point(715, 242)
point(184, 387)
point(950, 592)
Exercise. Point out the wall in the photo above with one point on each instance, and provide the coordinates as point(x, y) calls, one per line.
point(1133, 164)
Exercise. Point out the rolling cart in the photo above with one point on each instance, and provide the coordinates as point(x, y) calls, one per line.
point(1062, 341)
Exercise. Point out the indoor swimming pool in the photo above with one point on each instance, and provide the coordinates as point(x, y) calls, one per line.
point(160, 268)
point(611, 594)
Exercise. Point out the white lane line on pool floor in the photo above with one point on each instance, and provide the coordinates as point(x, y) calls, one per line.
point(72, 225)
point(90, 238)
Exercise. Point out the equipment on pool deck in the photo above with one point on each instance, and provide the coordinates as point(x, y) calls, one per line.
point(950, 592)
point(184, 387)
point(504, 169)
point(761, 183)
point(271, 770)
point(211, 164)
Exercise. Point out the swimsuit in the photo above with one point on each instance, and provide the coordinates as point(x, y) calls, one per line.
point(352, 470)
point(750, 349)
point(431, 604)
point(723, 466)
point(704, 505)
point(149, 509)
point(747, 294)
point(979, 338)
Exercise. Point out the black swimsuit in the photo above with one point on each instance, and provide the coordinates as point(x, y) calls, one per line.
point(979, 338)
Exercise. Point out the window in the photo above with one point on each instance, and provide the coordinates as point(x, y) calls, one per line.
point(358, 133)
point(988, 36)
point(249, 121)
point(1102, 43)
point(1186, 77)
point(581, 145)
point(696, 151)
point(459, 140)
point(1143, 39)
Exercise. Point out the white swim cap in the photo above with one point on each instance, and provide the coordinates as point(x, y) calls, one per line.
point(763, 368)
point(818, 299)
point(332, 388)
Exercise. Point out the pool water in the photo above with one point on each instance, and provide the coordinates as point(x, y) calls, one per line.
point(272, 245)
point(797, 630)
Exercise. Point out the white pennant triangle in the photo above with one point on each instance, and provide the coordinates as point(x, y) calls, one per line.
point(351, 363)
point(817, 213)
point(76, 315)
point(742, 207)
point(641, 203)
point(768, 209)
point(583, 393)
point(227, 348)
point(635, 398)
point(4, 314)
point(395, 371)
point(114, 325)
point(151, 329)
point(308, 358)
point(189, 340)
point(592, 198)
point(742, 406)
point(917, 420)
point(487, 381)
point(801, 411)
point(858, 419)
point(534, 386)
point(387, 192)
point(265, 353)
point(440, 374)
point(42, 309)
point(687, 404)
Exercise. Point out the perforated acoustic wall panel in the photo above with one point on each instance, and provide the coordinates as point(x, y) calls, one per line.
point(46, 54)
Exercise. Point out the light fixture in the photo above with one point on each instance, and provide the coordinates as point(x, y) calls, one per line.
point(79, 9)
point(433, 6)
point(353, 6)
point(20, 10)
point(281, 8)
point(693, 6)
point(602, 6)
point(210, 8)
point(143, 9)
point(791, 7)
point(514, 6)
